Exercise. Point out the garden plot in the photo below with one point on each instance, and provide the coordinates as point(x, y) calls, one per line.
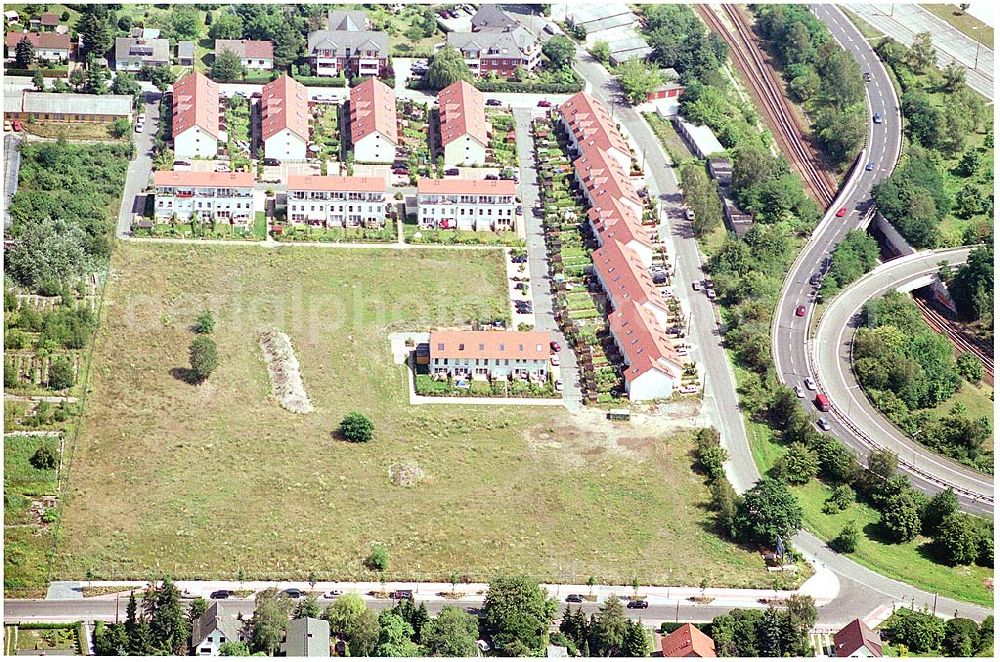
point(326, 132)
point(502, 150)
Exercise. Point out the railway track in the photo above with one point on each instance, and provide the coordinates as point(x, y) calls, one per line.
point(767, 88)
point(957, 335)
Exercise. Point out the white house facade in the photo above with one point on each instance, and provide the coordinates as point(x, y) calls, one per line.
point(226, 197)
point(467, 204)
point(485, 355)
point(337, 201)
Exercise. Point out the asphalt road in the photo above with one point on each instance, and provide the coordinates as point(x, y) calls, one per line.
point(903, 22)
point(861, 589)
point(791, 345)
point(832, 359)
point(139, 168)
point(11, 166)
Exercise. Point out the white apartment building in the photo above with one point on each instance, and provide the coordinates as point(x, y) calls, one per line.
point(337, 202)
point(490, 354)
point(196, 117)
point(225, 196)
point(467, 204)
point(284, 124)
point(464, 131)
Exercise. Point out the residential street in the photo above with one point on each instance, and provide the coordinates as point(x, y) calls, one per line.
point(141, 166)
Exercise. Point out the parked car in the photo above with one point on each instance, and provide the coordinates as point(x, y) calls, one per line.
point(329, 595)
point(823, 424)
point(554, 346)
point(401, 594)
point(140, 127)
point(494, 102)
point(696, 286)
point(710, 293)
point(810, 384)
point(182, 165)
point(491, 178)
point(294, 593)
point(799, 391)
point(574, 597)
point(638, 604)
point(520, 210)
point(815, 279)
point(400, 171)
point(221, 594)
point(689, 214)
point(272, 162)
point(554, 359)
point(17, 126)
point(709, 283)
point(520, 258)
point(544, 103)
point(800, 311)
point(551, 28)
point(559, 388)
point(870, 166)
point(451, 172)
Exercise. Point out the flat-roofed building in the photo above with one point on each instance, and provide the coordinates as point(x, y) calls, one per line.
point(337, 202)
point(284, 111)
point(225, 196)
point(467, 204)
point(196, 117)
point(490, 354)
point(700, 138)
point(590, 127)
point(464, 132)
point(53, 107)
point(374, 136)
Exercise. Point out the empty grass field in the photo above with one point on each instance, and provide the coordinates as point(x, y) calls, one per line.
point(199, 481)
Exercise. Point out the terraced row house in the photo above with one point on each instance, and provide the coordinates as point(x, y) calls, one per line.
point(467, 204)
point(522, 355)
point(337, 202)
point(224, 196)
point(638, 313)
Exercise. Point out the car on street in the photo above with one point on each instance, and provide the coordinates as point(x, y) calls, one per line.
point(574, 597)
point(638, 604)
point(810, 384)
point(520, 210)
point(815, 279)
point(710, 293)
point(696, 285)
point(868, 76)
point(139, 127)
point(841, 212)
point(870, 166)
point(329, 595)
point(544, 103)
point(559, 386)
point(799, 391)
point(554, 346)
point(551, 28)
point(800, 311)
point(494, 102)
point(294, 593)
point(221, 594)
point(823, 424)
point(401, 594)
point(272, 162)
point(554, 359)
point(451, 172)
point(877, 118)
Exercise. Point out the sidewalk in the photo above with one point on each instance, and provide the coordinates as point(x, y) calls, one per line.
point(475, 593)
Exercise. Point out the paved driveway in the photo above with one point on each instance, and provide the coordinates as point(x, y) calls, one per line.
point(141, 166)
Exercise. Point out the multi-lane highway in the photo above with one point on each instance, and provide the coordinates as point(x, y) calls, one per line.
point(831, 357)
point(791, 345)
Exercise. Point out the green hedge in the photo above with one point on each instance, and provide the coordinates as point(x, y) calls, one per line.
point(513, 87)
point(47, 73)
point(321, 81)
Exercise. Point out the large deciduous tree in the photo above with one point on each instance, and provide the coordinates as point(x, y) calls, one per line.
point(517, 614)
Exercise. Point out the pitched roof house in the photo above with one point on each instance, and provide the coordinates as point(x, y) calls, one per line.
point(373, 122)
point(590, 126)
point(307, 637)
point(196, 116)
point(348, 21)
point(687, 641)
point(48, 45)
point(284, 104)
point(613, 220)
point(352, 52)
point(491, 17)
point(464, 132)
point(602, 177)
point(856, 639)
point(49, 20)
point(499, 52)
point(131, 53)
point(253, 54)
point(625, 278)
point(212, 629)
point(490, 354)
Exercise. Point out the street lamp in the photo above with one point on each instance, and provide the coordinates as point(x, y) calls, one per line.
point(979, 43)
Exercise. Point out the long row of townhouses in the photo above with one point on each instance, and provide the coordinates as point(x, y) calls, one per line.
point(637, 315)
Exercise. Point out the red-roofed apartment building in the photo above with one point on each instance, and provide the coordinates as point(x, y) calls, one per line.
point(49, 46)
point(615, 221)
point(687, 641)
point(653, 369)
point(373, 122)
point(284, 112)
point(464, 133)
point(196, 117)
point(624, 278)
point(602, 179)
point(467, 204)
point(490, 354)
point(226, 196)
point(257, 55)
point(337, 201)
point(857, 640)
point(590, 126)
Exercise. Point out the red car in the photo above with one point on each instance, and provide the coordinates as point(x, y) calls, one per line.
point(800, 311)
point(544, 104)
point(554, 346)
point(400, 171)
point(16, 125)
point(841, 212)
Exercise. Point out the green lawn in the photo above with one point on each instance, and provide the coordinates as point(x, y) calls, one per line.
point(20, 476)
point(220, 477)
point(966, 23)
point(978, 399)
point(47, 639)
point(415, 235)
point(27, 552)
point(260, 225)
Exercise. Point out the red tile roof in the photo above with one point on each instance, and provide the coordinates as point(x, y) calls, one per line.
point(46, 40)
point(644, 345)
point(203, 179)
point(50, 19)
point(599, 173)
point(853, 636)
point(591, 124)
point(284, 104)
point(373, 108)
point(624, 276)
point(456, 186)
point(530, 345)
point(687, 641)
point(616, 221)
point(463, 111)
point(321, 183)
point(196, 103)
point(246, 48)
